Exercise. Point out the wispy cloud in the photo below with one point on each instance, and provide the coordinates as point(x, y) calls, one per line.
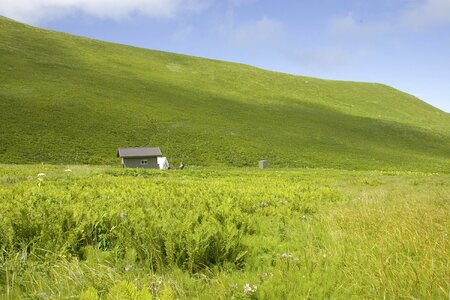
point(183, 33)
point(418, 15)
point(351, 27)
point(320, 59)
point(36, 11)
point(427, 14)
point(241, 2)
point(261, 33)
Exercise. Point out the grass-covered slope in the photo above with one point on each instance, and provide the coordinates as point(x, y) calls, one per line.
point(68, 99)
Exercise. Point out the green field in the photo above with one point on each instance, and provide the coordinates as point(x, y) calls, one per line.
point(207, 232)
point(72, 100)
point(355, 204)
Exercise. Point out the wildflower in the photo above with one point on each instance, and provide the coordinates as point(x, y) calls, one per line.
point(40, 179)
point(67, 170)
point(265, 274)
point(128, 268)
point(264, 204)
point(24, 256)
point(123, 214)
point(249, 289)
point(289, 256)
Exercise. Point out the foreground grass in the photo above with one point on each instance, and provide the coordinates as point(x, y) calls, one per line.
point(101, 232)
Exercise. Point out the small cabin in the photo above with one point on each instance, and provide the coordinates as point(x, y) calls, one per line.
point(142, 157)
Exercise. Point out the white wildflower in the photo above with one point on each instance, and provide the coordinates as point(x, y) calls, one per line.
point(265, 274)
point(24, 256)
point(128, 268)
point(41, 174)
point(67, 170)
point(289, 256)
point(249, 289)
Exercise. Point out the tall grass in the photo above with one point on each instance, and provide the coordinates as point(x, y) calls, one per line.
point(218, 234)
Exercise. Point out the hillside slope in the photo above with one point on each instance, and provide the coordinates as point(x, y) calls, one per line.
point(68, 99)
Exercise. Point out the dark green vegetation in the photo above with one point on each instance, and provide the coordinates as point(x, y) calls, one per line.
point(68, 99)
point(203, 233)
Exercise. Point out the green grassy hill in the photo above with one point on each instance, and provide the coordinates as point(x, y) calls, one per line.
point(69, 99)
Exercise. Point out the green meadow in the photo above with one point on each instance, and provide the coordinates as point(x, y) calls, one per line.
point(236, 233)
point(355, 204)
point(71, 100)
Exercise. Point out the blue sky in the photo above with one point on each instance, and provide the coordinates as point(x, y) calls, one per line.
point(402, 43)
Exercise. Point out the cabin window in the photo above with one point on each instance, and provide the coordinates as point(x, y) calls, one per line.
point(144, 162)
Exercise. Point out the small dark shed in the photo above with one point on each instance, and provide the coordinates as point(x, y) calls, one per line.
point(142, 157)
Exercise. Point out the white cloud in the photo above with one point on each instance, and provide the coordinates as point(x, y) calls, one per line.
point(241, 2)
point(351, 27)
point(183, 34)
point(35, 11)
point(427, 14)
point(262, 32)
point(420, 14)
point(321, 59)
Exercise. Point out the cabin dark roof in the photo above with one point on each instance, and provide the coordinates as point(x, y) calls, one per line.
point(138, 152)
